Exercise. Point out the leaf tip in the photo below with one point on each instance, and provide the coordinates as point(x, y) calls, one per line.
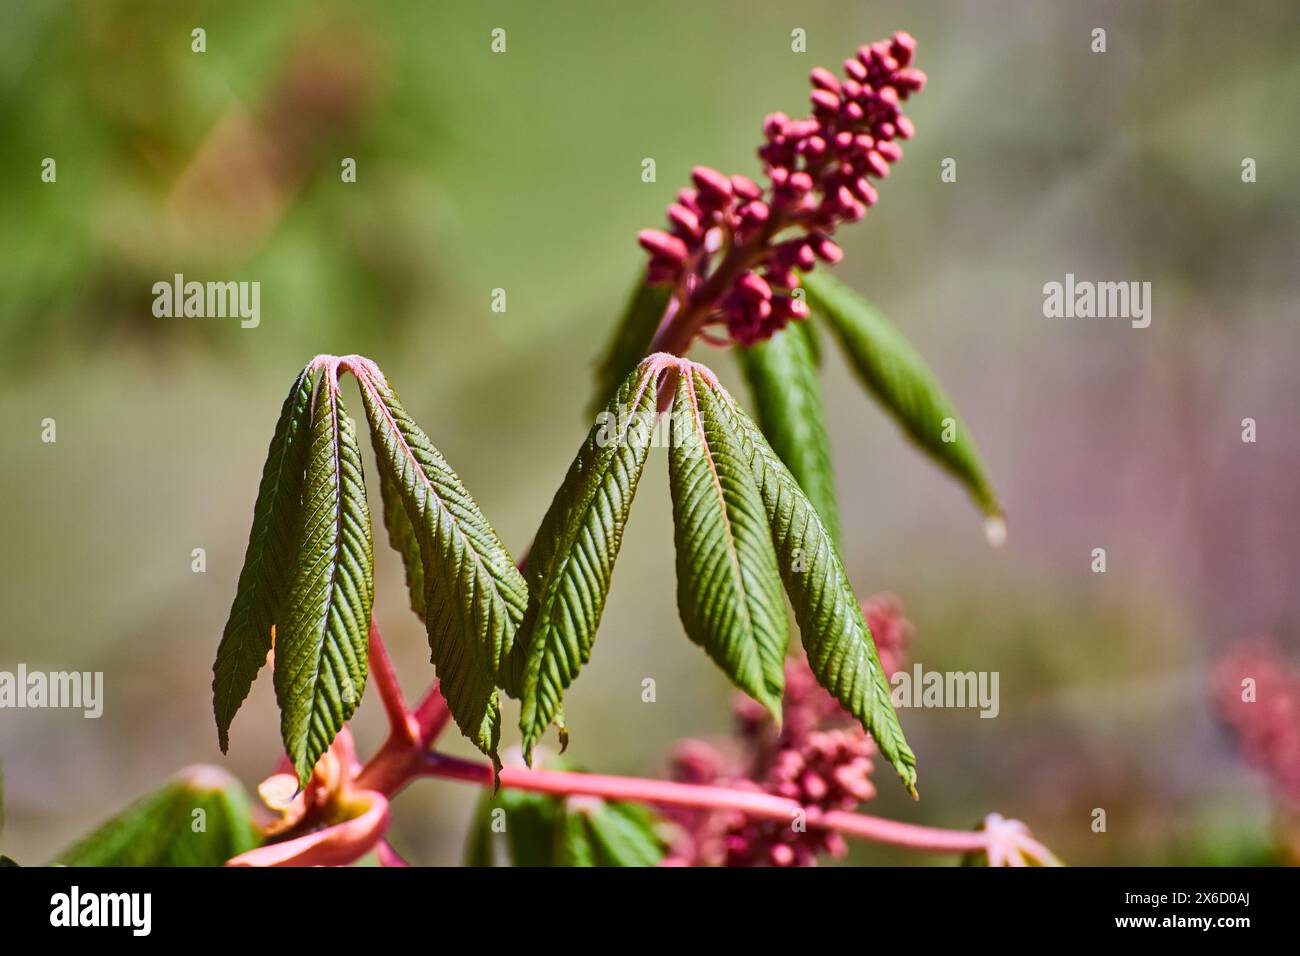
point(995, 529)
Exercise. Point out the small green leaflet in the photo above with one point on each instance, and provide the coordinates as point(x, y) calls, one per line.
point(631, 339)
point(269, 561)
point(474, 593)
point(202, 817)
point(728, 584)
point(783, 380)
point(897, 375)
point(840, 648)
point(544, 830)
point(572, 560)
point(321, 656)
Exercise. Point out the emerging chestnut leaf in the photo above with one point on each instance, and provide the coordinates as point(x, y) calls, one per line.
point(573, 555)
point(321, 655)
point(728, 585)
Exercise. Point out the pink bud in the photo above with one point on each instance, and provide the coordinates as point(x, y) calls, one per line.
point(659, 243)
point(711, 182)
point(824, 101)
point(825, 249)
point(824, 79)
point(891, 151)
point(910, 80)
point(774, 124)
point(684, 219)
point(855, 70)
point(798, 129)
point(690, 199)
point(906, 129)
point(782, 855)
point(885, 130)
point(852, 89)
point(813, 146)
point(752, 287)
point(876, 164)
point(745, 188)
point(806, 258)
point(814, 786)
point(903, 47)
point(852, 111)
point(800, 182)
point(754, 213)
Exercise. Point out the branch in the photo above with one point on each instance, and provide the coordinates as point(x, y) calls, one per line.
point(752, 803)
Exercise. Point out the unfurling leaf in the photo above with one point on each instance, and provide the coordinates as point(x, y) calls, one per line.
point(631, 339)
point(320, 656)
point(569, 568)
point(897, 375)
point(202, 817)
point(840, 648)
point(473, 596)
point(782, 376)
point(728, 584)
point(263, 589)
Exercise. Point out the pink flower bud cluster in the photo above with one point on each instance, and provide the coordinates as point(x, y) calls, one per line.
point(733, 249)
point(821, 758)
point(1268, 724)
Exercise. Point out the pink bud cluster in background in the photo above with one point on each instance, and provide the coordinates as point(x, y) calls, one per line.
point(821, 758)
point(733, 248)
point(1268, 727)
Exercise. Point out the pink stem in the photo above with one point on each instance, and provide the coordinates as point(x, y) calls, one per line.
point(390, 691)
point(432, 715)
point(667, 793)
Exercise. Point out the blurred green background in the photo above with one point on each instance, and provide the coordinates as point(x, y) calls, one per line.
point(522, 171)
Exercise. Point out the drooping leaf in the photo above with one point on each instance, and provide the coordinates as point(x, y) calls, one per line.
point(403, 538)
point(202, 817)
point(321, 656)
point(473, 593)
point(728, 584)
point(896, 374)
point(631, 338)
point(572, 560)
point(782, 376)
point(263, 590)
point(841, 651)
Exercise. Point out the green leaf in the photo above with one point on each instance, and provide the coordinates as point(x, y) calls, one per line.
point(622, 834)
point(402, 536)
point(545, 830)
point(897, 375)
point(840, 648)
point(631, 339)
point(728, 584)
point(263, 590)
point(573, 556)
point(473, 591)
point(202, 817)
point(320, 658)
point(782, 376)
